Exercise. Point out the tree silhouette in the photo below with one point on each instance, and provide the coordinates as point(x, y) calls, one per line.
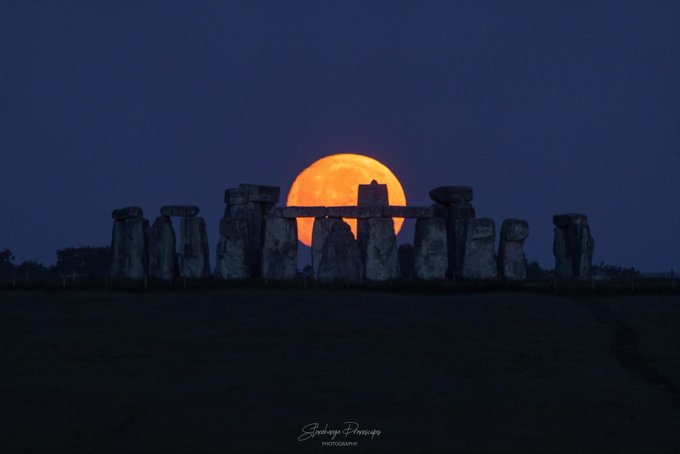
point(6, 265)
point(83, 262)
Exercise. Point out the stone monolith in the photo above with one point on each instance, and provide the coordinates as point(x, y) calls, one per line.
point(479, 259)
point(129, 247)
point(253, 213)
point(378, 245)
point(340, 257)
point(369, 196)
point(232, 249)
point(431, 256)
point(162, 260)
point(193, 257)
point(279, 252)
point(511, 259)
point(320, 231)
point(572, 246)
point(455, 201)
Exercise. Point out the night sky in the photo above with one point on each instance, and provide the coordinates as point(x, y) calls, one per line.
point(543, 107)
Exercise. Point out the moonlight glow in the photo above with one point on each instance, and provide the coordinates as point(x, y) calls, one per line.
point(333, 181)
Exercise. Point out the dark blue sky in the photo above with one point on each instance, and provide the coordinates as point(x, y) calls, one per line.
point(543, 107)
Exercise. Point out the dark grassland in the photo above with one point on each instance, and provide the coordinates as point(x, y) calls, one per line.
point(244, 369)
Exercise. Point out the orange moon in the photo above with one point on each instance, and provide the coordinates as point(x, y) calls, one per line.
point(334, 181)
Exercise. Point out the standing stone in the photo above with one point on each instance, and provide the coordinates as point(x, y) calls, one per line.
point(479, 259)
point(431, 257)
point(381, 260)
point(252, 193)
point(455, 200)
point(511, 259)
point(340, 257)
point(457, 218)
point(451, 195)
point(232, 249)
point(193, 257)
point(369, 195)
point(253, 213)
point(279, 252)
point(127, 212)
point(129, 247)
point(117, 248)
point(573, 246)
point(372, 195)
point(162, 261)
point(320, 231)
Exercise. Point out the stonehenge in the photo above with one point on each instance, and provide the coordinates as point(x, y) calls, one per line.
point(340, 258)
point(455, 203)
point(430, 250)
point(320, 231)
point(193, 257)
point(375, 235)
point(162, 260)
point(379, 250)
point(572, 246)
point(279, 252)
point(511, 259)
point(139, 252)
point(232, 248)
point(129, 244)
point(244, 217)
point(258, 239)
point(479, 257)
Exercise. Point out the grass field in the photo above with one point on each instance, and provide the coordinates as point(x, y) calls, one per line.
point(245, 369)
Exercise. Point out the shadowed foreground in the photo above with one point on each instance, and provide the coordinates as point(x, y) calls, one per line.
point(246, 369)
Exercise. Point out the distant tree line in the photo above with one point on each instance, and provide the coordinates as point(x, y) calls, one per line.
point(73, 263)
point(602, 271)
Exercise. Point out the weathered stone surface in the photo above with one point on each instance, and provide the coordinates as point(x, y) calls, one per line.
point(457, 216)
point(362, 212)
point(479, 259)
point(370, 196)
point(279, 252)
point(126, 213)
point(431, 257)
point(373, 194)
point(232, 249)
point(407, 260)
point(320, 231)
point(129, 248)
point(378, 245)
point(408, 212)
point(246, 193)
point(514, 230)
point(234, 196)
point(511, 258)
point(299, 212)
point(179, 210)
point(449, 195)
point(254, 214)
point(573, 247)
point(193, 258)
point(563, 220)
point(260, 193)
point(340, 257)
point(162, 262)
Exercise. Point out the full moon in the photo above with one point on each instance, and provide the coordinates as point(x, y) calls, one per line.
point(334, 180)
